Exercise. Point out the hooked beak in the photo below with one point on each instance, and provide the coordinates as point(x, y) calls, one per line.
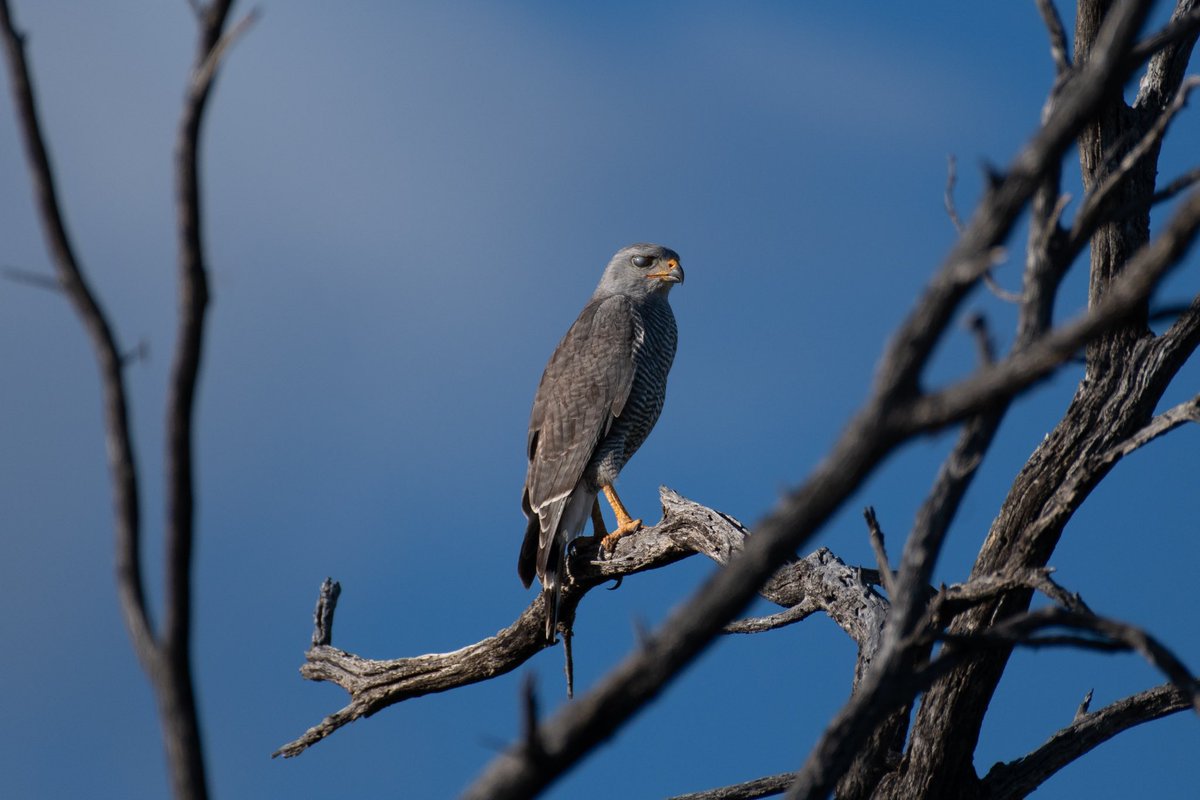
point(673, 273)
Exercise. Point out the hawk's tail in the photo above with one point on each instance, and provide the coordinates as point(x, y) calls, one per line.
point(528, 567)
point(551, 590)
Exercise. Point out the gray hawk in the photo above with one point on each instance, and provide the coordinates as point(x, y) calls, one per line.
point(599, 396)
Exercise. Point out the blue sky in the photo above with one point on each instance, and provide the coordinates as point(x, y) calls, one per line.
point(407, 204)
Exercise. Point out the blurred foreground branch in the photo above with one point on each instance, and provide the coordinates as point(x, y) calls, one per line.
point(165, 655)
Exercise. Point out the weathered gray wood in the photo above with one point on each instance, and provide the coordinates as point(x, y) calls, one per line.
point(819, 581)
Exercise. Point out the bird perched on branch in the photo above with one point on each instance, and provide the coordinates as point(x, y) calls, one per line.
point(599, 397)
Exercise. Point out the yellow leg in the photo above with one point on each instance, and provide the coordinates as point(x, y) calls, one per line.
point(625, 524)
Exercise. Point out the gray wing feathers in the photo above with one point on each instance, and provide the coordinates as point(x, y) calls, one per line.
point(583, 389)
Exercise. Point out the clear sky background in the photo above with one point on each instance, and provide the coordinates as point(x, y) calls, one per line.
point(407, 205)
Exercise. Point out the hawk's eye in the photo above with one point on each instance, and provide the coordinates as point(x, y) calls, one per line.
point(641, 262)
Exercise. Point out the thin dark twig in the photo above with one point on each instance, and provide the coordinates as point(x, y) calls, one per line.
point(72, 280)
point(1167, 421)
point(569, 661)
point(529, 718)
point(1058, 37)
point(948, 193)
point(1125, 295)
point(1178, 29)
point(1176, 186)
point(976, 323)
point(31, 278)
point(1084, 705)
point(875, 533)
point(769, 786)
point(953, 600)
point(204, 73)
point(989, 279)
point(796, 613)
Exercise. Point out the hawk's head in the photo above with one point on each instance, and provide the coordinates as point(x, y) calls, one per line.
point(641, 270)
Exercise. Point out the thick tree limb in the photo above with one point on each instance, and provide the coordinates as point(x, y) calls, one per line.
point(1097, 206)
point(818, 582)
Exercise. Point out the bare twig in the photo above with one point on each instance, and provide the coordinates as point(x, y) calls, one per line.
point(955, 599)
point(1181, 27)
point(796, 613)
point(948, 193)
point(206, 70)
point(1169, 420)
point(875, 534)
point(976, 323)
point(72, 280)
point(989, 279)
point(1176, 186)
point(1126, 294)
point(569, 661)
point(1017, 779)
point(1058, 37)
point(529, 718)
point(31, 278)
point(750, 790)
point(1084, 705)
point(323, 615)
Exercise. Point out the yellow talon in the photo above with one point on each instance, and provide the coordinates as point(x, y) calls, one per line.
point(625, 523)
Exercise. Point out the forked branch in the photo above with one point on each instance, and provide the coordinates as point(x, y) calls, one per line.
point(820, 581)
point(164, 655)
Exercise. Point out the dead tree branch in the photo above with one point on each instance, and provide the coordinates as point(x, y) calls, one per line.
point(818, 582)
point(768, 786)
point(73, 281)
point(1058, 37)
point(579, 727)
point(1019, 778)
point(164, 656)
point(1110, 635)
